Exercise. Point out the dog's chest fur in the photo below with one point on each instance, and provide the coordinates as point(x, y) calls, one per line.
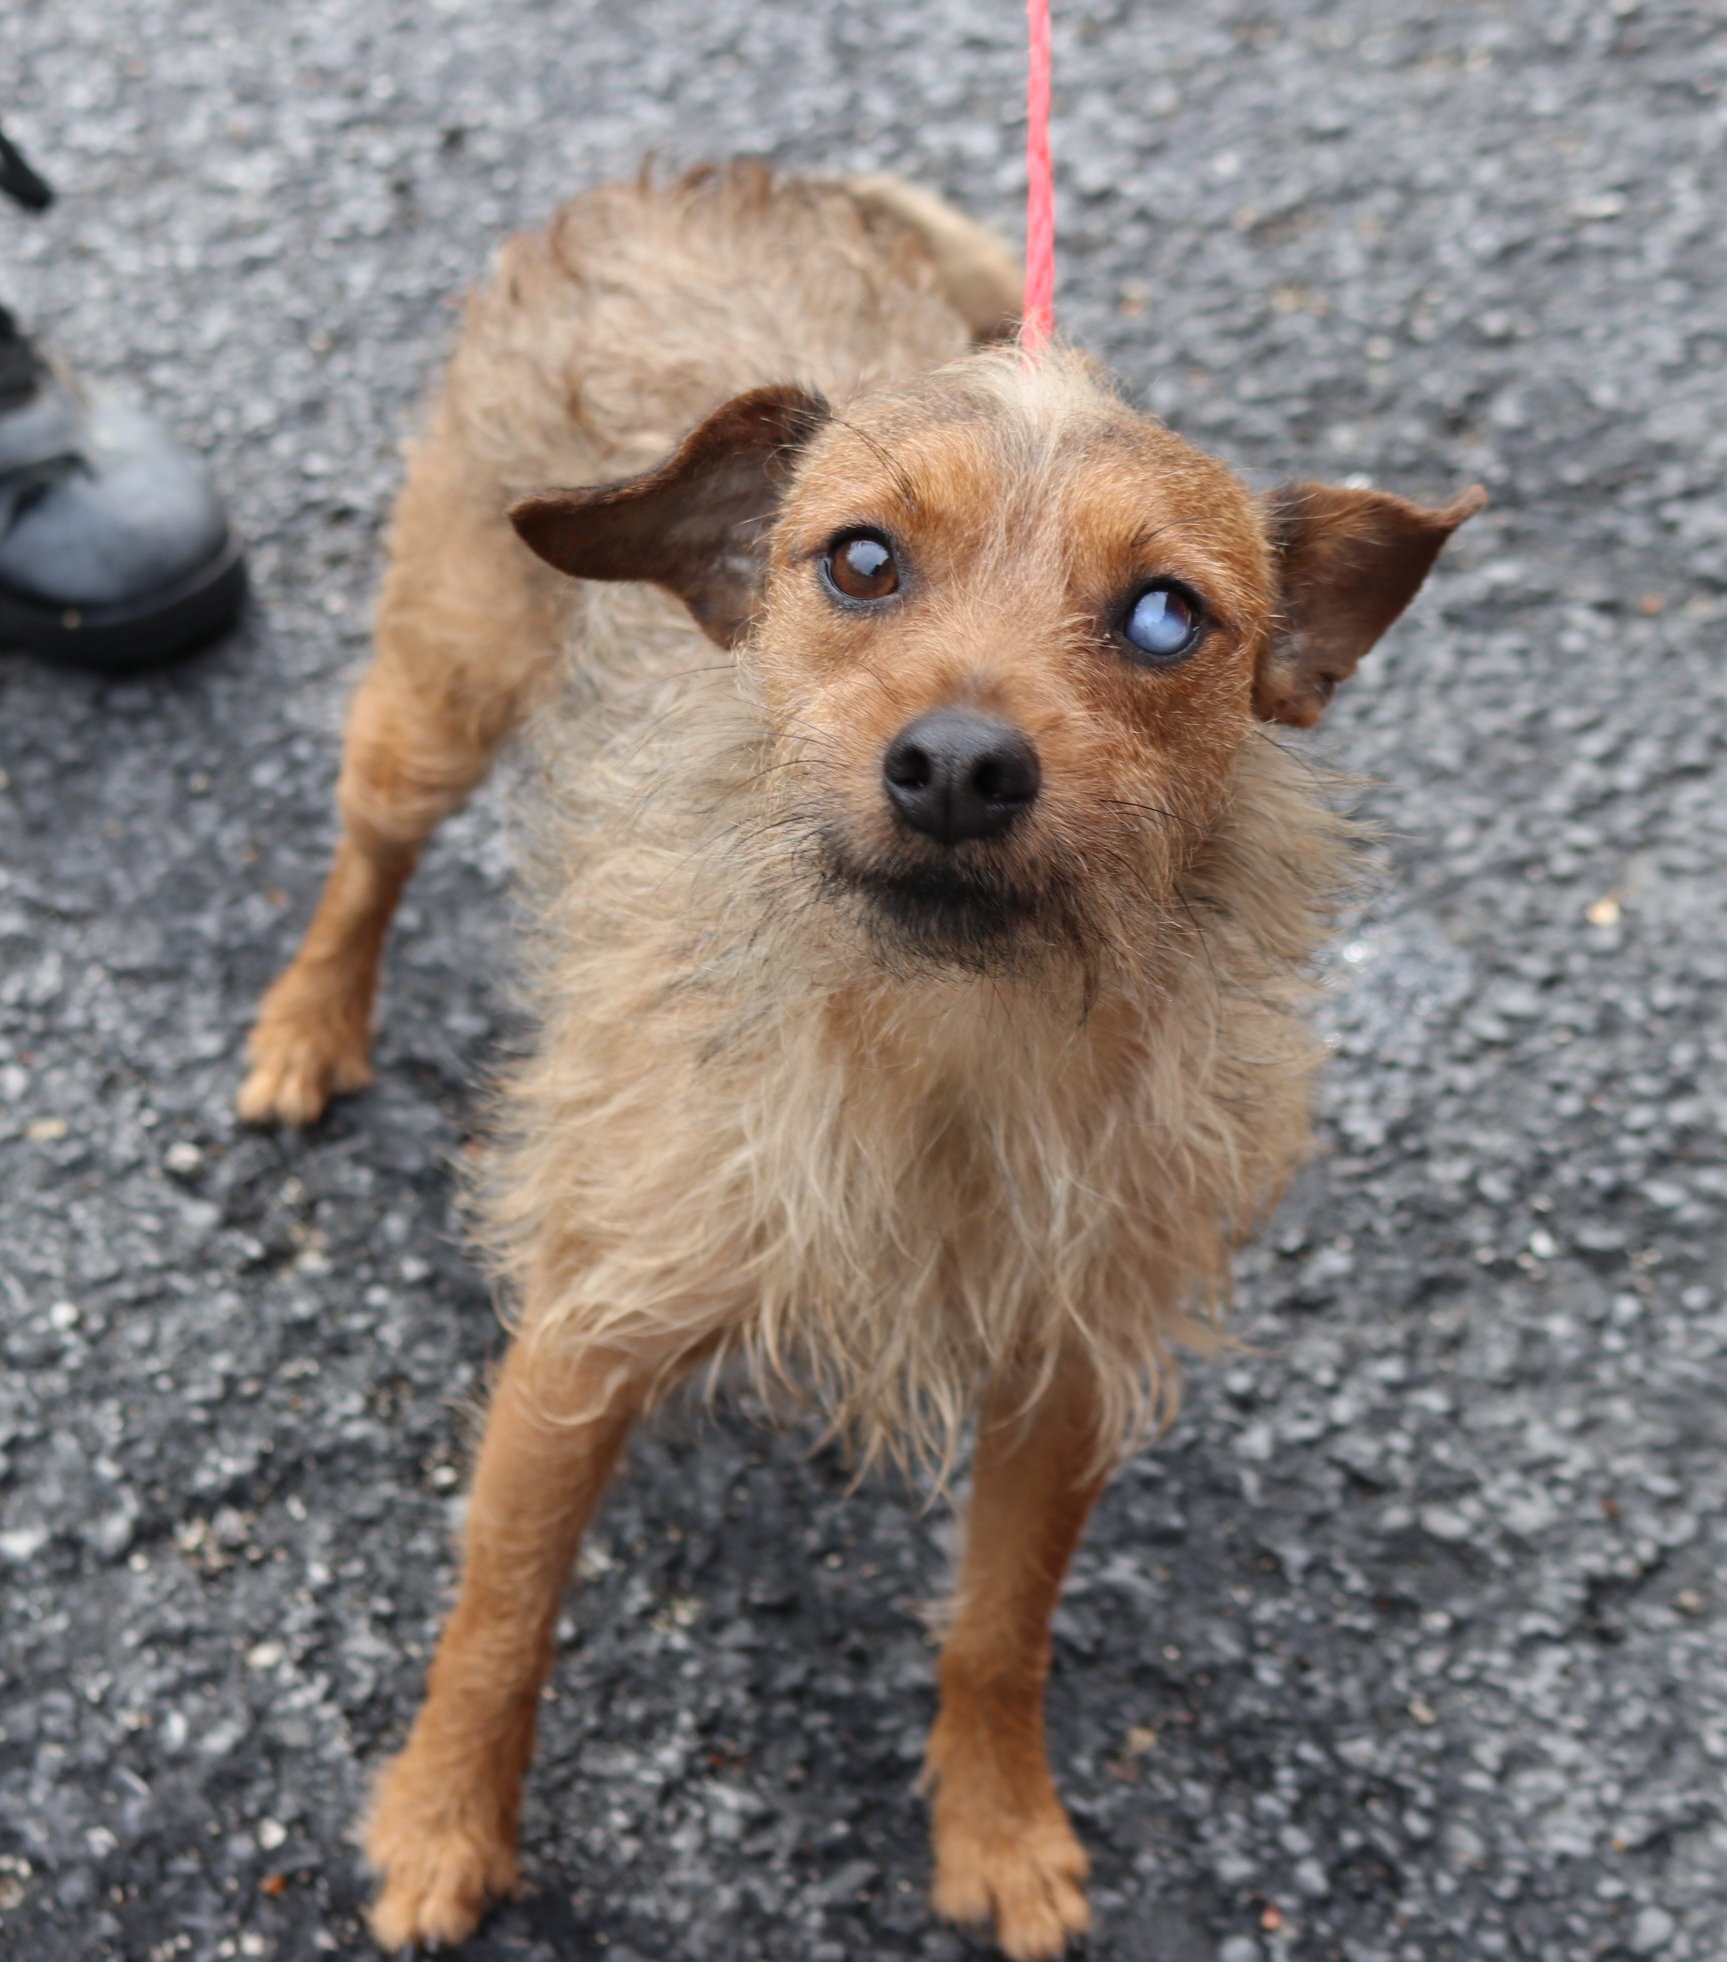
point(884, 1185)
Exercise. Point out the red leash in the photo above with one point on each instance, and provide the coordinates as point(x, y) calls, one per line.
point(1037, 322)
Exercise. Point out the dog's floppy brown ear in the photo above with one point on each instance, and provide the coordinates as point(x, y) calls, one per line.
point(1348, 562)
point(698, 524)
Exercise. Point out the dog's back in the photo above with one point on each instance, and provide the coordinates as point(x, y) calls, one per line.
point(601, 337)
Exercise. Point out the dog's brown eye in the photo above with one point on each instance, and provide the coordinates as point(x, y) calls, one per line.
point(861, 565)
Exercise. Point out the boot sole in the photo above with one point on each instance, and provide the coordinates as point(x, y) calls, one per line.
point(142, 633)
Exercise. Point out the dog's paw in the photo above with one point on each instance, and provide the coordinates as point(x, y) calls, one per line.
point(296, 1070)
point(440, 1865)
point(1027, 1875)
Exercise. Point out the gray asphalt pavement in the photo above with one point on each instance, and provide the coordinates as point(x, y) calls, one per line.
point(1406, 1644)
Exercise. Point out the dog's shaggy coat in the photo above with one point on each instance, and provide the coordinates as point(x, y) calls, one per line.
point(924, 1126)
point(871, 1176)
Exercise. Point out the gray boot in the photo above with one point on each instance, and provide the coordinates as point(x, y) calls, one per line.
point(114, 550)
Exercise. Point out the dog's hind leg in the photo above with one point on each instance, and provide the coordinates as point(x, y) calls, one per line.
point(983, 282)
point(469, 624)
point(1004, 1850)
point(442, 1831)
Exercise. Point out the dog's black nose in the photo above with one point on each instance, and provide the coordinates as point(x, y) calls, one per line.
point(956, 773)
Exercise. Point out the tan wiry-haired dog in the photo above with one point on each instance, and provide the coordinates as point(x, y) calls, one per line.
point(921, 998)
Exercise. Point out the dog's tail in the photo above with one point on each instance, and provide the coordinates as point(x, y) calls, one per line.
point(982, 279)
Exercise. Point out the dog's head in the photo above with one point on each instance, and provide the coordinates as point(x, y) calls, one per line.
point(1014, 632)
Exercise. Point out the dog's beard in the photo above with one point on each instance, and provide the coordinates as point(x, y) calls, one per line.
point(976, 914)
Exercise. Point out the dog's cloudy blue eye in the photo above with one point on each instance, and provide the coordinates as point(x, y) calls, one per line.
point(1163, 623)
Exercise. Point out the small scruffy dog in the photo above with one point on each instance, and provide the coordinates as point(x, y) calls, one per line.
point(926, 913)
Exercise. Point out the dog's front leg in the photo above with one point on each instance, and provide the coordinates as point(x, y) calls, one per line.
point(469, 627)
point(442, 1831)
point(1004, 1850)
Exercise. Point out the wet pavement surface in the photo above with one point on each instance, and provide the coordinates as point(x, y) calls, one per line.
point(1405, 1643)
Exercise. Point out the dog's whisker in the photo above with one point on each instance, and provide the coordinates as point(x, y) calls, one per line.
point(902, 480)
point(1152, 810)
